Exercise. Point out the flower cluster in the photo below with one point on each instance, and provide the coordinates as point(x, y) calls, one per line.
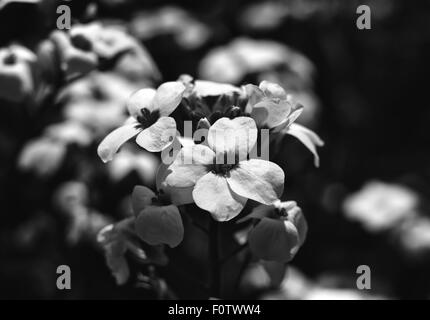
point(220, 170)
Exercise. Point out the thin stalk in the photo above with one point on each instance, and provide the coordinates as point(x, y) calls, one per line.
point(215, 280)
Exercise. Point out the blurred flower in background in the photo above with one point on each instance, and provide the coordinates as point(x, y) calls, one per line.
point(380, 206)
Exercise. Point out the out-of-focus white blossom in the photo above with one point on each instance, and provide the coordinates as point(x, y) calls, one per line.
point(296, 286)
point(188, 32)
point(110, 42)
point(97, 101)
point(69, 132)
point(414, 235)
point(263, 16)
point(127, 161)
point(16, 78)
point(231, 63)
point(42, 156)
point(380, 206)
point(76, 57)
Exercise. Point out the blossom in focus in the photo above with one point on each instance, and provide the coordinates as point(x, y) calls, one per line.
point(16, 78)
point(380, 206)
point(149, 121)
point(271, 107)
point(118, 239)
point(223, 187)
point(279, 233)
point(157, 220)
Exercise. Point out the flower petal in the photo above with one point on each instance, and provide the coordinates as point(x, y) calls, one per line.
point(160, 225)
point(141, 198)
point(178, 196)
point(268, 113)
point(205, 88)
point(259, 212)
point(114, 140)
point(158, 136)
point(141, 99)
point(259, 180)
point(232, 137)
point(296, 109)
point(168, 97)
point(273, 90)
point(309, 138)
point(189, 166)
point(213, 194)
point(296, 219)
point(273, 240)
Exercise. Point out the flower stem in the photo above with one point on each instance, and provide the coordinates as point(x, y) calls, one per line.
point(215, 276)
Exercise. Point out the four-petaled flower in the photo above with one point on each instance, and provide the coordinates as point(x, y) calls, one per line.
point(223, 187)
point(271, 107)
point(149, 121)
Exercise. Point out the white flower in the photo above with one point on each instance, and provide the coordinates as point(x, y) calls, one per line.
point(380, 206)
point(145, 164)
point(76, 58)
point(149, 121)
point(243, 56)
point(16, 79)
point(223, 189)
point(271, 107)
point(43, 156)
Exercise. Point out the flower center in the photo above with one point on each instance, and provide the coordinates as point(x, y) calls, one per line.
point(148, 118)
point(81, 42)
point(222, 169)
point(10, 59)
point(225, 167)
point(281, 212)
point(231, 113)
